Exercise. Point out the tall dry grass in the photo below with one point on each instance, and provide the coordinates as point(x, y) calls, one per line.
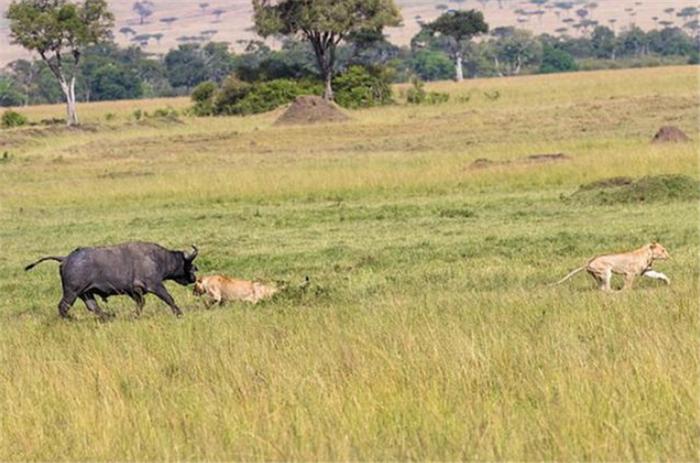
point(429, 330)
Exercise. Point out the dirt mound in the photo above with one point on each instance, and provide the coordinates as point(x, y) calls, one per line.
point(547, 157)
point(483, 163)
point(624, 190)
point(668, 134)
point(311, 110)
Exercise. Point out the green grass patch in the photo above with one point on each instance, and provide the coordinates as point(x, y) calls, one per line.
point(652, 188)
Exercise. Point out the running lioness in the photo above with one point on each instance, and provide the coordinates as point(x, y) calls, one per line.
point(222, 289)
point(630, 264)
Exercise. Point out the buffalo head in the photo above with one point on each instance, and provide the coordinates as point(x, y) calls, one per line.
point(187, 276)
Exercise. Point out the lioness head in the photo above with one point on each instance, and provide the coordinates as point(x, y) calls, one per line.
point(658, 251)
point(199, 287)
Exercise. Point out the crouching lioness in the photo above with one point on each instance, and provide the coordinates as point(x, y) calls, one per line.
point(220, 289)
point(630, 264)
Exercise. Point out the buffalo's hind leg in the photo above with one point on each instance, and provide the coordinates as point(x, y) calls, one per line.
point(66, 303)
point(165, 296)
point(92, 306)
point(137, 296)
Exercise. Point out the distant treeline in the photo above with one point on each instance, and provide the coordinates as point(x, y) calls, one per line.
point(110, 72)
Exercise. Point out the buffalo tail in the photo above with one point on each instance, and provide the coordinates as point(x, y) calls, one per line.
point(34, 264)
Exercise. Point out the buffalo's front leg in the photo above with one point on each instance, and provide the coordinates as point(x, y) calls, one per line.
point(165, 296)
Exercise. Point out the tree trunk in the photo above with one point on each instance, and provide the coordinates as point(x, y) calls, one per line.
point(69, 93)
point(458, 68)
point(328, 90)
point(497, 66)
point(324, 48)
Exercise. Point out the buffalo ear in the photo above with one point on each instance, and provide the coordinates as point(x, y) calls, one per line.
point(192, 255)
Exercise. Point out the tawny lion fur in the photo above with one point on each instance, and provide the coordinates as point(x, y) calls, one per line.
point(629, 264)
point(221, 289)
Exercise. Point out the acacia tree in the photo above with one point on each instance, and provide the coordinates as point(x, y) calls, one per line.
point(514, 49)
point(144, 9)
point(324, 23)
point(458, 27)
point(60, 31)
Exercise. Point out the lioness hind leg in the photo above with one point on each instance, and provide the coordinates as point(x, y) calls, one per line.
point(598, 277)
point(607, 276)
point(603, 277)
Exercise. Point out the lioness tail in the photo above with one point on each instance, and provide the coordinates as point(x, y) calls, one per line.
point(572, 273)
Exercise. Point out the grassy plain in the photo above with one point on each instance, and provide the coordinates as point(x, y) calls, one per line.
point(429, 331)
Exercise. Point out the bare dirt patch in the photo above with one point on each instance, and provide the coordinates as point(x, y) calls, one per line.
point(311, 110)
point(483, 163)
point(11, 138)
point(125, 174)
point(669, 134)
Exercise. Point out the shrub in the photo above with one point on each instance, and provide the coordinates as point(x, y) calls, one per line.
point(166, 113)
point(266, 96)
point(231, 92)
point(418, 95)
point(203, 98)
point(432, 65)
point(363, 87)
point(204, 91)
point(236, 97)
point(594, 64)
point(437, 98)
point(555, 60)
point(12, 119)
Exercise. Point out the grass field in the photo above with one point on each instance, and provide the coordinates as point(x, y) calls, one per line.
point(429, 331)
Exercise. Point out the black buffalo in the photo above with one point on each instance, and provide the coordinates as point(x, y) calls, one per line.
point(131, 269)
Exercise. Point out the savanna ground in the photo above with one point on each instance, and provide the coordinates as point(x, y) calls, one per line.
point(429, 330)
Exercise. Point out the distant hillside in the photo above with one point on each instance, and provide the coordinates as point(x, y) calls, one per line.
point(177, 21)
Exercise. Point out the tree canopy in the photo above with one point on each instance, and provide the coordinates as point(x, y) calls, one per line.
point(457, 28)
point(54, 28)
point(324, 23)
point(460, 25)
